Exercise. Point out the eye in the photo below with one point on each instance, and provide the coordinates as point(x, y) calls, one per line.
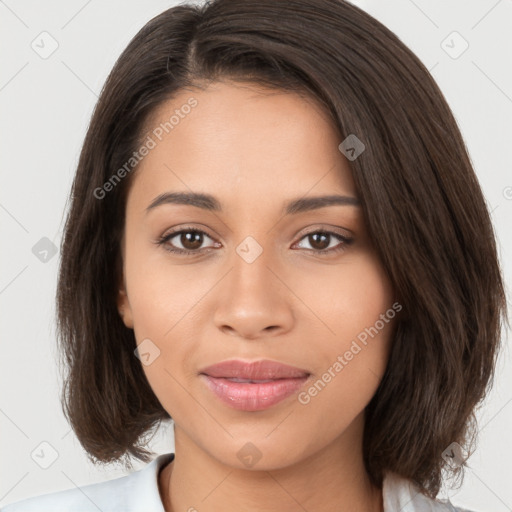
point(321, 242)
point(190, 240)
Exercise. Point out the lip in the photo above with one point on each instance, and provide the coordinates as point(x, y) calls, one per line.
point(266, 382)
point(255, 370)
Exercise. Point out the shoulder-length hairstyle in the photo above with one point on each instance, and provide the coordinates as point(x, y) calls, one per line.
point(422, 204)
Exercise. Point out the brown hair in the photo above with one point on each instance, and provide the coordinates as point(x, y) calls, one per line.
point(421, 200)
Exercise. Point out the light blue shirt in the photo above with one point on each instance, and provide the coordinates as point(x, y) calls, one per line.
point(138, 492)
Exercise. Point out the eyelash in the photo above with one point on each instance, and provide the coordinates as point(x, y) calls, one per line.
point(162, 241)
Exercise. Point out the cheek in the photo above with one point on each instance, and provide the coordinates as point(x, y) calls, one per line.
point(347, 298)
point(342, 388)
point(165, 301)
point(161, 294)
point(352, 359)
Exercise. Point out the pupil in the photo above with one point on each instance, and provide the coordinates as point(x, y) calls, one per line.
point(191, 240)
point(324, 244)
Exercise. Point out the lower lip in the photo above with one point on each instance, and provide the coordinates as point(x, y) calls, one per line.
point(247, 396)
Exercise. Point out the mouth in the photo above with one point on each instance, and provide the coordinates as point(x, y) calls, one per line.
point(253, 386)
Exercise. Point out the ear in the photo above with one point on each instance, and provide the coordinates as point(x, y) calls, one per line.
point(123, 306)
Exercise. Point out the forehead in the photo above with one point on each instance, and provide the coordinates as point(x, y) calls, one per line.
point(264, 142)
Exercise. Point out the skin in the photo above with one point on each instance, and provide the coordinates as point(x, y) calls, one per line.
point(254, 149)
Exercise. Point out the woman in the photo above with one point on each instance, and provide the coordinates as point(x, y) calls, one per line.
point(271, 242)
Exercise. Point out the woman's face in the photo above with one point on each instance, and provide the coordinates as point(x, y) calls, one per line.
point(251, 287)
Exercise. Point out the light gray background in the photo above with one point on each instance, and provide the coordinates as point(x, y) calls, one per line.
point(46, 105)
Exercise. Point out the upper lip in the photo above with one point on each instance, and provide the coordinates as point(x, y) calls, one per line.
point(256, 370)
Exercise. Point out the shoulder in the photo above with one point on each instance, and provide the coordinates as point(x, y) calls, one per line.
point(137, 492)
point(400, 494)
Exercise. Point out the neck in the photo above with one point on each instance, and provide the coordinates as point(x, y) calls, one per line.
point(331, 480)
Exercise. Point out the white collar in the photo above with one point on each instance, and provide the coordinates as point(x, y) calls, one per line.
point(402, 495)
point(138, 491)
point(399, 494)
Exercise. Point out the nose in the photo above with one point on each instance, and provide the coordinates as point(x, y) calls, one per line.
point(254, 300)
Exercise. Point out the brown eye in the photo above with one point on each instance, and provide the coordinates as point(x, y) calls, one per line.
point(191, 240)
point(185, 241)
point(321, 242)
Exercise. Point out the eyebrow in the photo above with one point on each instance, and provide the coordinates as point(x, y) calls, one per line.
point(209, 202)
